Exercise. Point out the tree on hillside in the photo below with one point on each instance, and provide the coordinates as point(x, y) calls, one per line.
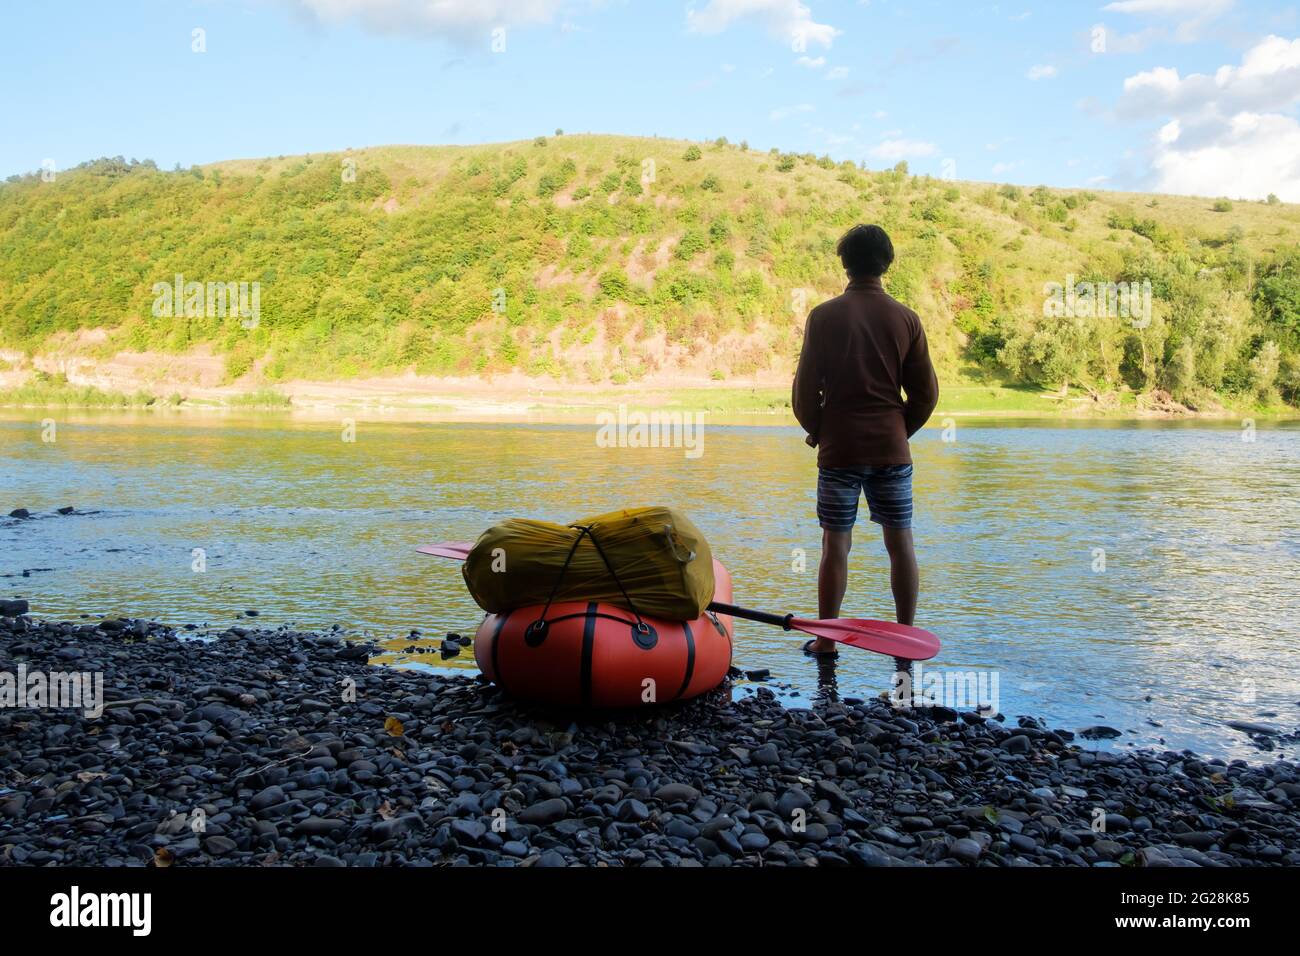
point(1263, 372)
point(1277, 294)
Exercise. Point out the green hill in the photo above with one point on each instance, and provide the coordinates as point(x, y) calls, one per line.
point(609, 260)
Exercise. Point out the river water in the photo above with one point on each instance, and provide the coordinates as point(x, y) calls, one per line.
point(1138, 575)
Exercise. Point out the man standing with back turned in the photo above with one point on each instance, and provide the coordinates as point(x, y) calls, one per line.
point(860, 351)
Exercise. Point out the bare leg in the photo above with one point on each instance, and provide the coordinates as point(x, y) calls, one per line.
point(904, 580)
point(832, 579)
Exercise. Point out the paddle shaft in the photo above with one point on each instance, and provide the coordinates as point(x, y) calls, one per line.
point(786, 621)
point(762, 617)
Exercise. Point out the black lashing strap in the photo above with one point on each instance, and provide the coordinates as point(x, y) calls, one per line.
point(643, 634)
point(690, 659)
point(588, 646)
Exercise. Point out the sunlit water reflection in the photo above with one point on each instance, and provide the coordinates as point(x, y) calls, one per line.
point(1131, 575)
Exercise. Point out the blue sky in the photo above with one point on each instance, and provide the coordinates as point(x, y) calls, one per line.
point(1194, 96)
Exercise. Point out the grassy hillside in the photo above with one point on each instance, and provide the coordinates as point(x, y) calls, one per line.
point(609, 260)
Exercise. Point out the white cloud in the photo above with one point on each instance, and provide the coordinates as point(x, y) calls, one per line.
point(812, 63)
point(831, 137)
point(896, 149)
point(790, 21)
point(784, 112)
point(1116, 42)
point(1192, 15)
point(1267, 79)
point(448, 17)
point(1257, 155)
point(1225, 133)
point(1041, 72)
point(1150, 90)
point(1171, 8)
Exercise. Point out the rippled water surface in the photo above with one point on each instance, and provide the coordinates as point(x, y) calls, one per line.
point(1194, 619)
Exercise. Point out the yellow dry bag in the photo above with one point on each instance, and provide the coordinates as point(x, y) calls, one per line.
point(650, 560)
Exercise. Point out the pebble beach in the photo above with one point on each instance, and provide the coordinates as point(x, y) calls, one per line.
point(255, 746)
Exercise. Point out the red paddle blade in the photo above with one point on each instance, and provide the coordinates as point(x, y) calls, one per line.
point(883, 637)
point(456, 550)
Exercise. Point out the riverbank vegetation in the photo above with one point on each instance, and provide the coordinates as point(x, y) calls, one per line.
point(45, 390)
point(51, 391)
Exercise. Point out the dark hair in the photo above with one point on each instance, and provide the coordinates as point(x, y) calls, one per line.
point(865, 251)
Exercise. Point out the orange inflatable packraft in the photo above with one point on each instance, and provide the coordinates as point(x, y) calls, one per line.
point(598, 655)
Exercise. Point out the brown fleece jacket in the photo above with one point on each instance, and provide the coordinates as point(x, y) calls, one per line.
point(861, 350)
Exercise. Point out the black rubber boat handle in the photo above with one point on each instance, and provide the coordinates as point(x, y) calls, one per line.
point(762, 617)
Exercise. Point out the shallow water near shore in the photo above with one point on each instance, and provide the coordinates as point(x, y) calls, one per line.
point(1136, 575)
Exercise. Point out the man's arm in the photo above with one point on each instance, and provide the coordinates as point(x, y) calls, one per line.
point(806, 395)
point(919, 383)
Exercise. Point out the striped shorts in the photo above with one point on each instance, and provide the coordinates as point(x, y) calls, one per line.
point(888, 489)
